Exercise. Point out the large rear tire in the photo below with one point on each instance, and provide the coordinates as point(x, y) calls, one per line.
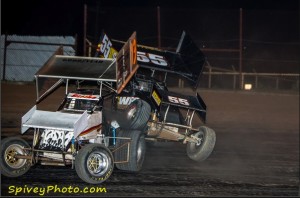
point(137, 150)
point(94, 163)
point(136, 116)
point(11, 166)
point(201, 151)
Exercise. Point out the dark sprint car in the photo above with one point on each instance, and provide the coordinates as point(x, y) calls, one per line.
point(149, 106)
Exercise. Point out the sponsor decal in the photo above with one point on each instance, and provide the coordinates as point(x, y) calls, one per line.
point(55, 139)
point(83, 60)
point(156, 98)
point(126, 100)
point(98, 127)
point(82, 96)
point(134, 51)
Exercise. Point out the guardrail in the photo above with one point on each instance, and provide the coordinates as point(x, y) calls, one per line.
point(230, 80)
point(254, 80)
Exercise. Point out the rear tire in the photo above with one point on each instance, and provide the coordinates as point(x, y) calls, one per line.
point(202, 150)
point(94, 163)
point(10, 165)
point(136, 115)
point(137, 150)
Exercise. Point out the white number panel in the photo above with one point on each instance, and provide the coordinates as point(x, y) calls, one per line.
point(153, 58)
point(177, 100)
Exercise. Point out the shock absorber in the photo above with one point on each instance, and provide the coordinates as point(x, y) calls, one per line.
point(113, 126)
point(113, 129)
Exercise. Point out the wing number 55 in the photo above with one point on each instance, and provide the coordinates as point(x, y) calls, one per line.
point(105, 47)
point(178, 100)
point(153, 58)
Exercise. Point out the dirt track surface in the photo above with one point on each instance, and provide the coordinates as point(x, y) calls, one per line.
point(256, 153)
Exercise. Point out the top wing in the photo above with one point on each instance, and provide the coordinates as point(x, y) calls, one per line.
point(191, 59)
point(79, 68)
point(118, 70)
point(187, 61)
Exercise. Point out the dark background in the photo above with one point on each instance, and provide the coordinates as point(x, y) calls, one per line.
point(271, 31)
point(206, 17)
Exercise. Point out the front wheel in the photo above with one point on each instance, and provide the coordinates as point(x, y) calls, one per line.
point(94, 163)
point(202, 149)
point(11, 165)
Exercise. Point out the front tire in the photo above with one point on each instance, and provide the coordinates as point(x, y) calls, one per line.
point(94, 163)
point(137, 150)
point(11, 166)
point(202, 150)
